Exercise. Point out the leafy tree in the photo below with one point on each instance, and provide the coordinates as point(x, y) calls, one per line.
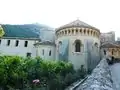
point(1, 31)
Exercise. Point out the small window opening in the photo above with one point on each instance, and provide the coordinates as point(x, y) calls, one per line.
point(77, 46)
point(0, 41)
point(26, 43)
point(28, 54)
point(8, 43)
point(50, 53)
point(17, 42)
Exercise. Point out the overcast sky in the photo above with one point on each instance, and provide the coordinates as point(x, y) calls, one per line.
point(102, 14)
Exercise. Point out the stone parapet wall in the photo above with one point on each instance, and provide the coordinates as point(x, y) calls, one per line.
point(100, 79)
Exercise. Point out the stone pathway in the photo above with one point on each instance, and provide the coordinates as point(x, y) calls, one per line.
point(115, 72)
point(100, 79)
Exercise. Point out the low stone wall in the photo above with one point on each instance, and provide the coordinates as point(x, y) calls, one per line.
point(100, 79)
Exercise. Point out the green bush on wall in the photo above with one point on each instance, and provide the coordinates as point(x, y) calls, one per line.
point(19, 73)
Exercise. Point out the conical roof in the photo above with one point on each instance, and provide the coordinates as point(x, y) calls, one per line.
point(76, 23)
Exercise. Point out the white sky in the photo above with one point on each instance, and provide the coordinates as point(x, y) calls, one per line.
point(102, 14)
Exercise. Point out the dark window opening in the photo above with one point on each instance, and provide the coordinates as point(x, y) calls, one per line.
point(84, 31)
point(8, 42)
point(50, 53)
point(104, 52)
point(26, 43)
point(112, 52)
point(28, 55)
point(0, 41)
point(76, 31)
point(77, 46)
point(17, 42)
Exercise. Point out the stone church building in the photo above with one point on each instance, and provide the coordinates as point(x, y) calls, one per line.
point(75, 42)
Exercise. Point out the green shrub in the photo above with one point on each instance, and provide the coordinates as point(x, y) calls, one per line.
point(19, 73)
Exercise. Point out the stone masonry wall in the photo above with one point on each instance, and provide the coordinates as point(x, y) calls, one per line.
point(100, 79)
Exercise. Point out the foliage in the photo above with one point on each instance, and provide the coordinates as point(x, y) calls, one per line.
point(1, 31)
point(19, 73)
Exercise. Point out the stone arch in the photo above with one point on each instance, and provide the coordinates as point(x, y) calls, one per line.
point(68, 31)
point(77, 45)
point(76, 31)
point(80, 30)
point(91, 32)
point(72, 31)
point(62, 32)
point(84, 31)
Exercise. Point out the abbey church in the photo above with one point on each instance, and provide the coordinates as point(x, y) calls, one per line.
point(76, 42)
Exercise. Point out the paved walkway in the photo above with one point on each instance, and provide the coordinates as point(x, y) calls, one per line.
point(115, 72)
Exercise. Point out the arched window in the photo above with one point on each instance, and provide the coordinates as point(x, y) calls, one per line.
point(77, 46)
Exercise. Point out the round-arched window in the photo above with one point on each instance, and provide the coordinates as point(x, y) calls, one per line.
point(77, 46)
